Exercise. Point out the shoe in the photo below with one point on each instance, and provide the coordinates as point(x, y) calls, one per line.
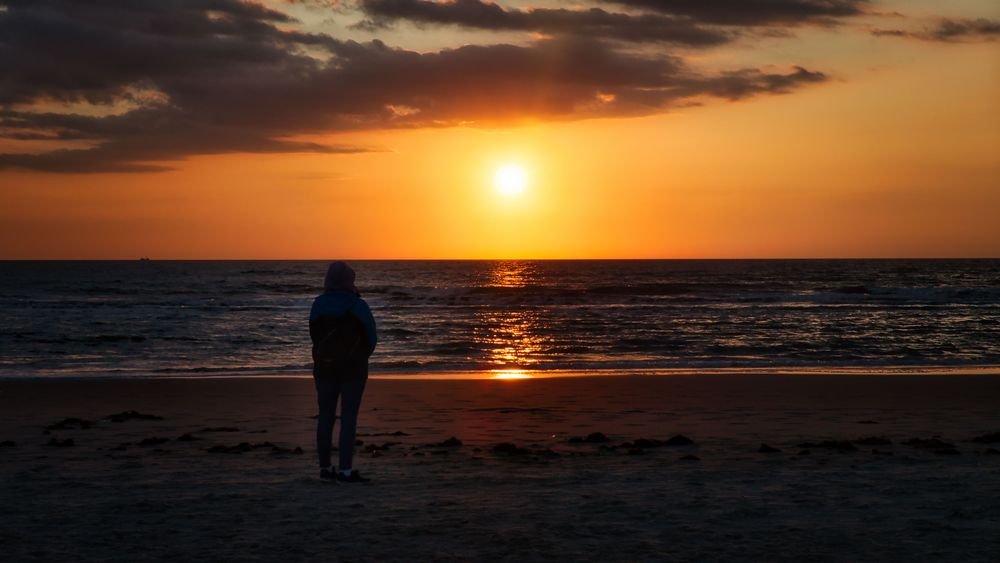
point(328, 475)
point(354, 477)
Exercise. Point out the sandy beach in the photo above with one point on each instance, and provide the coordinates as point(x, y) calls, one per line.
point(869, 468)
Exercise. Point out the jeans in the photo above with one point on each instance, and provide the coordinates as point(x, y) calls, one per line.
point(349, 386)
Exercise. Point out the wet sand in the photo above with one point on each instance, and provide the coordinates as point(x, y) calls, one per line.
point(869, 468)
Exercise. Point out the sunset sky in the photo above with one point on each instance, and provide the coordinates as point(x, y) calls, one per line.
point(376, 129)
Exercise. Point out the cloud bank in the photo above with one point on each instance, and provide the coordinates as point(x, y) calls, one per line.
point(591, 22)
point(136, 85)
point(950, 30)
point(753, 12)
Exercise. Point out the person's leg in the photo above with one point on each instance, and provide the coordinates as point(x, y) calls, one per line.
point(327, 390)
point(352, 387)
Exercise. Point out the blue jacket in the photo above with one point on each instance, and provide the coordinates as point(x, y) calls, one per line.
point(336, 303)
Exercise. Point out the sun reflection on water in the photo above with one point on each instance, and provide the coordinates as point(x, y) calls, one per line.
point(510, 273)
point(510, 337)
point(512, 374)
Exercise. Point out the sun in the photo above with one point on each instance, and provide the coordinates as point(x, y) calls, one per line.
point(510, 179)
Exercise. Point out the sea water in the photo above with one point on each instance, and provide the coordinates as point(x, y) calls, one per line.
point(203, 318)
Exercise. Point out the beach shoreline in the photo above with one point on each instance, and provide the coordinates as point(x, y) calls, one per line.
point(529, 373)
point(129, 489)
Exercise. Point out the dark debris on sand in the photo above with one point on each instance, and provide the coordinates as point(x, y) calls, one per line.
point(991, 438)
point(690, 457)
point(679, 440)
point(936, 445)
point(928, 443)
point(643, 443)
point(8, 444)
point(154, 441)
point(240, 448)
point(187, 438)
point(452, 442)
point(873, 441)
point(220, 429)
point(70, 423)
point(375, 448)
point(132, 415)
point(766, 449)
point(508, 449)
point(839, 445)
point(67, 443)
point(244, 447)
point(592, 438)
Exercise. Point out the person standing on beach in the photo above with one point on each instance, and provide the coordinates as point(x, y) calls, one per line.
point(343, 334)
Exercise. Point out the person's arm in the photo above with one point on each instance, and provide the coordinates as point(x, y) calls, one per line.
point(364, 313)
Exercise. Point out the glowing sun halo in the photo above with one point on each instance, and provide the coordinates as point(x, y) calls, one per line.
point(510, 179)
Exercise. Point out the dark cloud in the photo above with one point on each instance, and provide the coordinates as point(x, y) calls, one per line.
point(950, 30)
point(130, 140)
point(97, 50)
point(593, 22)
point(736, 85)
point(752, 12)
point(161, 80)
point(316, 3)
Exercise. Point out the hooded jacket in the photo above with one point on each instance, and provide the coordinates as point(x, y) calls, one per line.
point(337, 303)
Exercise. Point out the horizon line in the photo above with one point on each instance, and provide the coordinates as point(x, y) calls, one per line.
point(600, 259)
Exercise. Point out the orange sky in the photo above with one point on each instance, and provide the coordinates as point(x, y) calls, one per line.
point(898, 155)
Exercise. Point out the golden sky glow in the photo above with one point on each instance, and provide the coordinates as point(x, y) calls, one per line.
point(896, 155)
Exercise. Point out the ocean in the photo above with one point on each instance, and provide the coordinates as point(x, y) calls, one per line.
point(211, 318)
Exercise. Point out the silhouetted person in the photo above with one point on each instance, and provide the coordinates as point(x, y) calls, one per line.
point(343, 334)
